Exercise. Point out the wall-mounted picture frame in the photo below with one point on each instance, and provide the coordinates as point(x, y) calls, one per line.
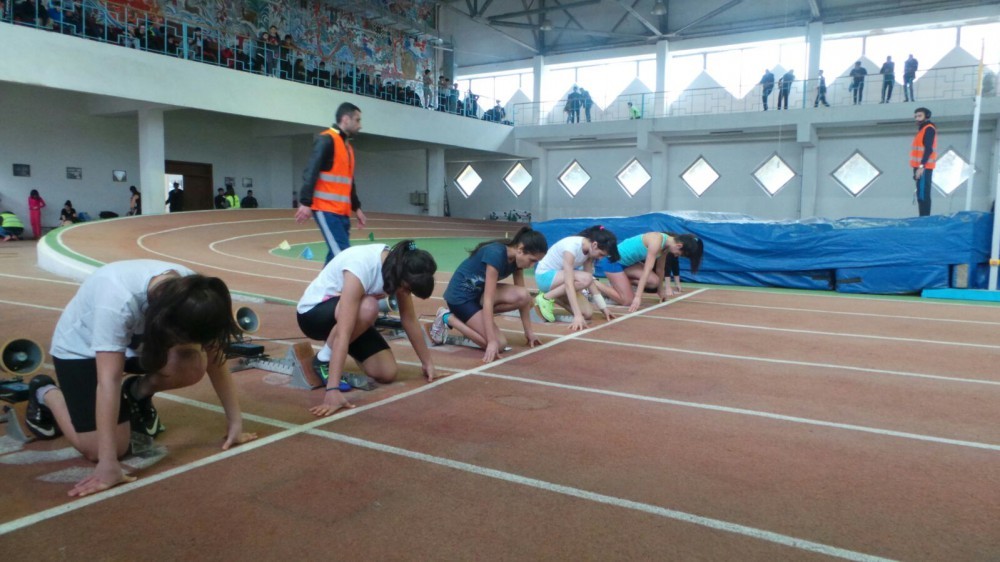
point(247, 182)
point(22, 170)
point(230, 182)
point(74, 173)
point(119, 175)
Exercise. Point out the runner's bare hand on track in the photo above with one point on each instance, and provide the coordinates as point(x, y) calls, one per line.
point(237, 439)
point(332, 401)
point(106, 475)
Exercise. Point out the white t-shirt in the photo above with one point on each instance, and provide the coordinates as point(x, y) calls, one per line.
point(553, 260)
point(108, 310)
point(365, 262)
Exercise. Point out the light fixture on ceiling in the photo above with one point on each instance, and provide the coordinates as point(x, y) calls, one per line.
point(546, 25)
point(659, 8)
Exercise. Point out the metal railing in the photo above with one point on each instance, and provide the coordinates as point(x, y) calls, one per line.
point(123, 25)
point(934, 84)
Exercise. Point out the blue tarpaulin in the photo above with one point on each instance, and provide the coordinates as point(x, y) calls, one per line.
point(857, 255)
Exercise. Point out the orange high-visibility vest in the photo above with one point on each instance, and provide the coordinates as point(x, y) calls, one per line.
point(332, 193)
point(917, 151)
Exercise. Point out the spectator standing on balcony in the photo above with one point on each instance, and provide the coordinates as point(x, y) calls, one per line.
point(328, 193)
point(453, 99)
point(286, 54)
point(767, 86)
point(923, 158)
point(909, 75)
point(428, 88)
point(587, 102)
point(858, 74)
point(821, 91)
point(785, 88)
point(299, 71)
point(633, 112)
point(573, 102)
point(888, 73)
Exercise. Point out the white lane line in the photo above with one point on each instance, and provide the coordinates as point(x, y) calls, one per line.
point(40, 279)
point(755, 413)
point(833, 295)
point(73, 505)
point(845, 313)
point(29, 305)
point(819, 333)
point(743, 530)
point(792, 362)
point(717, 524)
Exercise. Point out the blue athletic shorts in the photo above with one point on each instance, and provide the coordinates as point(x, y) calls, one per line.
point(544, 280)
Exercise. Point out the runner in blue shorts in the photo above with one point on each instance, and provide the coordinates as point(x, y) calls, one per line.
point(643, 262)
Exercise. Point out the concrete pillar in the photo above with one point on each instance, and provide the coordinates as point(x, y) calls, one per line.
point(538, 67)
point(281, 179)
point(814, 38)
point(806, 138)
point(539, 196)
point(152, 166)
point(435, 182)
point(662, 60)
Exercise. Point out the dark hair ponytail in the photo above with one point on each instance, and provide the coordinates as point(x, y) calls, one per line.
point(534, 242)
point(692, 250)
point(407, 264)
point(190, 309)
point(606, 240)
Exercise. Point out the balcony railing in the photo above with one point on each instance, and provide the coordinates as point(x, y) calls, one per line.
point(931, 85)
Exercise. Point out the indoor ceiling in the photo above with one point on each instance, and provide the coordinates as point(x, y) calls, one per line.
point(492, 31)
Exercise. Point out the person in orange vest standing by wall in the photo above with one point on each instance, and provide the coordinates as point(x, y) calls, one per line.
point(923, 157)
point(328, 193)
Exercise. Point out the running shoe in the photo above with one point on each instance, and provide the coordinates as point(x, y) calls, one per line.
point(322, 369)
point(545, 307)
point(439, 330)
point(39, 417)
point(143, 417)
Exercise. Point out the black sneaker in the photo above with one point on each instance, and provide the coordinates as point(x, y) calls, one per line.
point(143, 417)
point(39, 417)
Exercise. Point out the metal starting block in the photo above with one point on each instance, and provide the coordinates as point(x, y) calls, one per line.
point(390, 328)
point(297, 364)
point(14, 430)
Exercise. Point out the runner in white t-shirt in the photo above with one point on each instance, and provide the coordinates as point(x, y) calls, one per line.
point(149, 317)
point(572, 258)
point(341, 305)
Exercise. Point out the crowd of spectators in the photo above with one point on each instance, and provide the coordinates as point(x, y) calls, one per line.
point(271, 53)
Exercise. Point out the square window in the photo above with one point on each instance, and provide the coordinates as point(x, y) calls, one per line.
point(700, 176)
point(573, 178)
point(950, 172)
point(773, 174)
point(856, 174)
point(468, 180)
point(517, 179)
point(633, 177)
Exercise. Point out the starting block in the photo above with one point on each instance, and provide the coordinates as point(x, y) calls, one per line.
point(14, 430)
point(297, 364)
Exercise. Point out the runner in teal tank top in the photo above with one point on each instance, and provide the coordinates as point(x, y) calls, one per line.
point(640, 255)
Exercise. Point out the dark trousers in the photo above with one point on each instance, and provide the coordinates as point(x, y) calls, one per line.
point(820, 99)
point(887, 83)
point(783, 97)
point(859, 88)
point(924, 188)
point(908, 87)
point(765, 94)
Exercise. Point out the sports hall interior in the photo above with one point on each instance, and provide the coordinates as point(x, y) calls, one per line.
point(731, 422)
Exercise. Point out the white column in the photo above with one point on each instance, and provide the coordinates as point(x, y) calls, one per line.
point(538, 67)
point(662, 60)
point(814, 38)
point(435, 182)
point(807, 141)
point(152, 158)
point(539, 196)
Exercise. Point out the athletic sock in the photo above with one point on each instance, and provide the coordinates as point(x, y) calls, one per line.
point(324, 354)
point(40, 393)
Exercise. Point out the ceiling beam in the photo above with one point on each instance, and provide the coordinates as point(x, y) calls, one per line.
point(708, 16)
point(814, 6)
point(591, 32)
point(502, 33)
point(544, 9)
point(642, 19)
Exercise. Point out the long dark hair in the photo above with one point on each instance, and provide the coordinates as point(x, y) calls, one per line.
point(190, 309)
point(692, 250)
point(606, 240)
point(534, 242)
point(133, 190)
point(410, 265)
point(34, 194)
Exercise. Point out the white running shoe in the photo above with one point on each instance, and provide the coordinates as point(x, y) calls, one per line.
point(439, 330)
